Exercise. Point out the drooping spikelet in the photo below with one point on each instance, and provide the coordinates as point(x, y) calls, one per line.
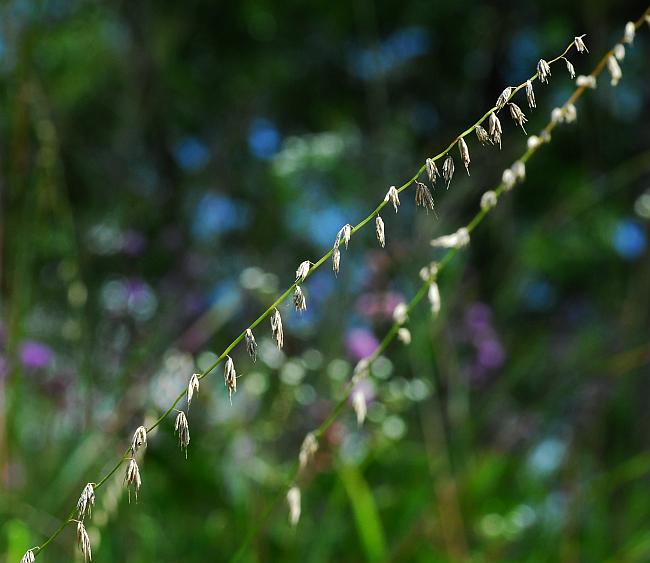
point(251, 345)
point(182, 428)
point(276, 328)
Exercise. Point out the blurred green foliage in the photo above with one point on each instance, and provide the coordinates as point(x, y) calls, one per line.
point(164, 169)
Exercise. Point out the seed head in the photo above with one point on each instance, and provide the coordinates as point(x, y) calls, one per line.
point(570, 69)
point(192, 387)
point(299, 301)
point(182, 428)
point(519, 170)
point(464, 153)
point(307, 450)
point(86, 501)
point(488, 200)
point(230, 377)
point(580, 44)
point(459, 239)
point(429, 273)
point(303, 270)
point(494, 126)
point(434, 298)
point(276, 328)
point(482, 135)
point(423, 196)
point(251, 345)
point(508, 179)
point(400, 313)
point(336, 259)
point(630, 31)
point(543, 71)
point(359, 405)
point(517, 115)
point(533, 142)
point(614, 70)
point(502, 100)
point(139, 439)
point(448, 169)
point(83, 541)
point(293, 500)
point(586, 81)
point(28, 557)
point(132, 478)
point(404, 335)
point(570, 113)
point(432, 170)
point(379, 231)
point(530, 94)
point(557, 115)
point(393, 196)
point(343, 235)
point(619, 51)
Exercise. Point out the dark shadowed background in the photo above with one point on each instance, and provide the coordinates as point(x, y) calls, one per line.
point(165, 166)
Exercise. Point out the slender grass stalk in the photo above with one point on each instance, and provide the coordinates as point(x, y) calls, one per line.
point(423, 289)
point(390, 336)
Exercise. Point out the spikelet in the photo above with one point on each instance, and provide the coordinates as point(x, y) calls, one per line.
point(139, 439)
point(404, 335)
point(482, 136)
point(299, 301)
point(588, 81)
point(400, 313)
point(86, 501)
point(543, 71)
point(276, 328)
point(570, 69)
point(293, 500)
point(192, 387)
point(517, 115)
point(614, 70)
point(28, 557)
point(448, 169)
point(432, 170)
point(230, 377)
point(434, 298)
point(359, 406)
point(303, 270)
point(630, 31)
point(251, 345)
point(508, 179)
point(423, 197)
point(393, 196)
point(494, 127)
point(503, 98)
point(132, 478)
point(379, 231)
point(459, 239)
point(580, 44)
point(464, 153)
point(83, 541)
point(308, 449)
point(336, 260)
point(343, 235)
point(182, 428)
point(488, 200)
point(530, 94)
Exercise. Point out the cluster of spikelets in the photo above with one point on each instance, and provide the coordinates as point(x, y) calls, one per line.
point(423, 198)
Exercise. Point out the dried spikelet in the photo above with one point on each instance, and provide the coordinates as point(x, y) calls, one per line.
point(276, 328)
point(393, 196)
point(533, 142)
point(293, 500)
point(400, 313)
point(251, 345)
point(482, 136)
point(86, 501)
point(448, 169)
point(404, 335)
point(299, 301)
point(432, 170)
point(132, 478)
point(359, 406)
point(630, 31)
point(28, 557)
point(488, 200)
point(503, 98)
point(343, 235)
point(517, 115)
point(434, 298)
point(379, 231)
point(494, 127)
point(459, 239)
point(570, 69)
point(580, 44)
point(570, 113)
point(303, 270)
point(230, 377)
point(586, 81)
point(508, 179)
point(308, 449)
point(519, 170)
point(619, 51)
point(139, 439)
point(614, 70)
point(464, 153)
point(182, 428)
point(83, 541)
point(530, 94)
point(192, 387)
point(543, 71)
point(423, 196)
point(336, 259)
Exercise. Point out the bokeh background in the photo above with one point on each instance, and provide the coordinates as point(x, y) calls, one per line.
point(164, 168)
